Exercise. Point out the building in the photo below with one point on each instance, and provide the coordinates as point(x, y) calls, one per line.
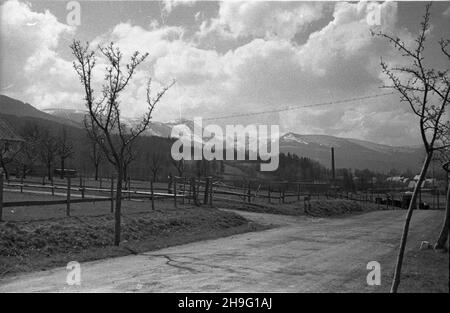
point(427, 183)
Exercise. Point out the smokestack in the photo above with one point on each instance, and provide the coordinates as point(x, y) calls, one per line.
point(332, 164)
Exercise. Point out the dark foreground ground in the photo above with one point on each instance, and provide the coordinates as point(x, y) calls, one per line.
point(42, 237)
point(297, 254)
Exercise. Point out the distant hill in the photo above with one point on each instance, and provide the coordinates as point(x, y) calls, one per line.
point(77, 117)
point(349, 153)
point(18, 108)
point(352, 153)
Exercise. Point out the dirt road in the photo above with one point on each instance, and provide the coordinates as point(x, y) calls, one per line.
point(300, 255)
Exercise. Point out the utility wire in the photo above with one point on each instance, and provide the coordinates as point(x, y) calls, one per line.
point(299, 107)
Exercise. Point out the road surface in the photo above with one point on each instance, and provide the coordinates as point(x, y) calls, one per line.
point(301, 254)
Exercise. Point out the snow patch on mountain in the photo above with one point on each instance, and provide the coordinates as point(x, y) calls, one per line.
point(295, 138)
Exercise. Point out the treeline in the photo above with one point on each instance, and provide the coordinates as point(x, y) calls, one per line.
point(49, 145)
point(294, 168)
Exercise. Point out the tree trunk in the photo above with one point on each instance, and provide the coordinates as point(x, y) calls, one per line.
point(96, 171)
point(5, 171)
point(443, 236)
point(125, 176)
point(412, 205)
point(62, 168)
point(117, 213)
point(24, 171)
point(154, 175)
point(49, 171)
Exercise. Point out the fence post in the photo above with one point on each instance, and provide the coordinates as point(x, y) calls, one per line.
point(1, 195)
point(175, 192)
point(194, 191)
point(205, 198)
point(21, 184)
point(152, 195)
point(169, 186)
point(112, 194)
point(438, 191)
point(198, 190)
point(100, 182)
point(190, 191)
point(53, 188)
point(249, 193)
point(298, 192)
point(129, 188)
point(268, 194)
point(184, 189)
point(211, 193)
point(68, 197)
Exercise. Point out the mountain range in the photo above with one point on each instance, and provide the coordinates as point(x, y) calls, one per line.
point(349, 153)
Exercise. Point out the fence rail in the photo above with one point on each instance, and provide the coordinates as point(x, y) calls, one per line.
point(192, 190)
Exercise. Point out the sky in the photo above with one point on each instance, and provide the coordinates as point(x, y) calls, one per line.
point(228, 58)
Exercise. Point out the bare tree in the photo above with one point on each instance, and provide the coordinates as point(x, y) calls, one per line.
point(179, 165)
point(105, 123)
point(95, 155)
point(10, 146)
point(155, 164)
point(48, 150)
point(30, 152)
point(444, 157)
point(426, 90)
point(65, 149)
point(130, 156)
point(8, 154)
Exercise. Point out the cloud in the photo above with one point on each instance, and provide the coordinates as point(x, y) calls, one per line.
point(262, 19)
point(28, 53)
point(446, 13)
point(266, 71)
point(169, 5)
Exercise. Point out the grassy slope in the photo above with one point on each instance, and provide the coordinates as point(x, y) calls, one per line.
point(45, 243)
point(319, 208)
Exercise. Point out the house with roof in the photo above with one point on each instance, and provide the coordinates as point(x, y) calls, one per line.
point(427, 182)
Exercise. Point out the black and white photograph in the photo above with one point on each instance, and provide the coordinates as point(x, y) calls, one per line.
point(227, 154)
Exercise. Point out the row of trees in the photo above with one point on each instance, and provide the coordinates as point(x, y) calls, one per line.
point(40, 146)
point(294, 168)
point(49, 145)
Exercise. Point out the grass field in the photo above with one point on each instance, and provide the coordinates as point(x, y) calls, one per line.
point(76, 209)
point(42, 237)
point(39, 237)
point(318, 208)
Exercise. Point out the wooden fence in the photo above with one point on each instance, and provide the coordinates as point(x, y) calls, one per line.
point(188, 190)
point(74, 194)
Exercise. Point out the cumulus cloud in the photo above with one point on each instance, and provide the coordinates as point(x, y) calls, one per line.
point(268, 70)
point(169, 5)
point(262, 19)
point(29, 61)
point(446, 13)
